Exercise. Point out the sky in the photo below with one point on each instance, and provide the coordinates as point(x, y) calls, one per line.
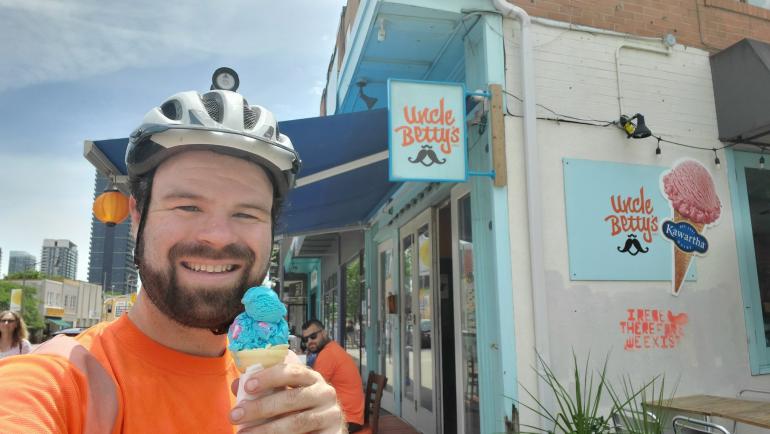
point(90, 70)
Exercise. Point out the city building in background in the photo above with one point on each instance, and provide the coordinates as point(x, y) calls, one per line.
point(65, 304)
point(19, 261)
point(59, 258)
point(113, 268)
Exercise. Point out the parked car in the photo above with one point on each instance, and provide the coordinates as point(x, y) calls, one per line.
point(74, 331)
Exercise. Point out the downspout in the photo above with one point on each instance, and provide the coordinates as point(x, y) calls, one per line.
point(534, 192)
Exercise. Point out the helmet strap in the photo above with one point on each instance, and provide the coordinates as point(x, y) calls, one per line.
point(142, 218)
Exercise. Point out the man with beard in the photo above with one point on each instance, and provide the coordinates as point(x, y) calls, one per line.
point(338, 369)
point(207, 175)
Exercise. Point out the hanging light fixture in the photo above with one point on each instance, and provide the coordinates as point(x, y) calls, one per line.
point(636, 130)
point(716, 158)
point(111, 207)
point(658, 151)
point(368, 100)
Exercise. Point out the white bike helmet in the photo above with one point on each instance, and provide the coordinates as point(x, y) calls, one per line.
point(221, 121)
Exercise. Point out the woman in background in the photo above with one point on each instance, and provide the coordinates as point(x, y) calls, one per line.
point(13, 335)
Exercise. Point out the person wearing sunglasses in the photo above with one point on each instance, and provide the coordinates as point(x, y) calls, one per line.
point(13, 335)
point(338, 369)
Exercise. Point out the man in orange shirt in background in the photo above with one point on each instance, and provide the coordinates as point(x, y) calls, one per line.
point(338, 369)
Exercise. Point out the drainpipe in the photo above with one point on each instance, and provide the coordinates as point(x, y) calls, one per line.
point(534, 192)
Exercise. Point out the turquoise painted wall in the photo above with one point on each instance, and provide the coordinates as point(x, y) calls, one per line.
point(491, 253)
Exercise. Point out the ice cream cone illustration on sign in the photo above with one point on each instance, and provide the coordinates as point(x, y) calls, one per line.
point(690, 189)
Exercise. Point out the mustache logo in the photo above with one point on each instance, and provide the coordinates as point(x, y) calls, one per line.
point(632, 242)
point(427, 153)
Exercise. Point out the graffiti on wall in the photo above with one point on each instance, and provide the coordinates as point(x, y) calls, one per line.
point(652, 329)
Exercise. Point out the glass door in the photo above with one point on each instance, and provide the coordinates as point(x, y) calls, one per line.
point(753, 234)
point(417, 355)
point(388, 322)
point(466, 356)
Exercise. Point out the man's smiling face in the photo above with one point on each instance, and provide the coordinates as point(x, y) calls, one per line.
point(207, 237)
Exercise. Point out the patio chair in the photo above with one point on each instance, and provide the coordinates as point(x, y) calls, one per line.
point(688, 425)
point(375, 385)
point(637, 418)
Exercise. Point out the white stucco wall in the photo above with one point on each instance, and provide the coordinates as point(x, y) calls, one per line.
point(576, 76)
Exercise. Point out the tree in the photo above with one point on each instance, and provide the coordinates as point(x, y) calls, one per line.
point(26, 275)
point(29, 303)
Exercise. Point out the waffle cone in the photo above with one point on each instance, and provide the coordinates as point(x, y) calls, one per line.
point(682, 259)
point(266, 357)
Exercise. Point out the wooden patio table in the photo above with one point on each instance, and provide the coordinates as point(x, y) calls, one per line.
point(755, 413)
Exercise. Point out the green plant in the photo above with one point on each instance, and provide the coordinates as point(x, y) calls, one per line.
point(641, 411)
point(577, 411)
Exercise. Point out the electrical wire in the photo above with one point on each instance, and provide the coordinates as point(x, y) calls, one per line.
point(599, 123)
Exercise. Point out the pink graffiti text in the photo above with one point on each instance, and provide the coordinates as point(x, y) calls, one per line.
point(652, 328)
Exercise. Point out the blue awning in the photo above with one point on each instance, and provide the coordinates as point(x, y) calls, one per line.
point(344, 174)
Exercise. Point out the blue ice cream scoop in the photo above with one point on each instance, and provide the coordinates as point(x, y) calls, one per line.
point(261, 324)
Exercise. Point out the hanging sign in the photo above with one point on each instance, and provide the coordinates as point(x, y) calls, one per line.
point(427, 131)
point(689, 188)
point(615, 213)
point(16, 296)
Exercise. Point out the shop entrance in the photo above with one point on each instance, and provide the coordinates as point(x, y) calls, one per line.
point(418, 364)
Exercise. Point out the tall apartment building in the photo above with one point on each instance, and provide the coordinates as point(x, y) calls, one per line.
point(19, 261)
point(122, 273)
point(59, 258)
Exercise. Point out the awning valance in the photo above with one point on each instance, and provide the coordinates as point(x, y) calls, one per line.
point(344, 170)
point(59, 322)
point(741, 76)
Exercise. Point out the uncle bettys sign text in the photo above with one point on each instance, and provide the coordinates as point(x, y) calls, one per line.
point(426, 131)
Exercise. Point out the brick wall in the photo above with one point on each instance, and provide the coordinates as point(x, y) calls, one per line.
point(708, 24)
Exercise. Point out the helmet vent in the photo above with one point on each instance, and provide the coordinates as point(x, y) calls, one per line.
point(213, 104)
point(250, 115)
point(172, 110)
point(269, 133)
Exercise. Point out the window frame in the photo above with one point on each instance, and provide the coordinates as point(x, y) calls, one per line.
point(759, 353)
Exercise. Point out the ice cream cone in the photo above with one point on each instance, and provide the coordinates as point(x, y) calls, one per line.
point(681, 258)
point(266, 357)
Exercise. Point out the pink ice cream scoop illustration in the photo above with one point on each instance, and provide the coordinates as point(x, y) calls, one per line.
point(691, 190)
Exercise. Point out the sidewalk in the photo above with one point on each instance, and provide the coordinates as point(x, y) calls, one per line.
point(392, 424)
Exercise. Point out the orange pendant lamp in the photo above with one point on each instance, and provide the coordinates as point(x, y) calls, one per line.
point(111, 207)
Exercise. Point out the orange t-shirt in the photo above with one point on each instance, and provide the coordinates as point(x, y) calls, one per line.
point(158, 389)
point(338, 369)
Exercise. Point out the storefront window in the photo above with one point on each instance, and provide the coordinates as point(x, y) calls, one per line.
point(353, 311)
point(425, 317)
point(388, 326)
point(470, 366)
point(758, 187)
point(330, 311)
point(407, 246)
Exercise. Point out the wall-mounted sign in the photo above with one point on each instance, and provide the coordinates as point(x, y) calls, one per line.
point(690, 190)
point(614, 216)
point(426, 131)
point(54, 311)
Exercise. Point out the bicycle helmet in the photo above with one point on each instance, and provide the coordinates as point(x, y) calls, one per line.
point(220, 121)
